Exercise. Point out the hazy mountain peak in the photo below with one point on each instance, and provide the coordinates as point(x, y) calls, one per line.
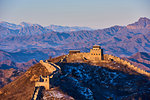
point(25, 24)
point(9, 25)
point(143, 22)
point(144, 19)
point(59, 28)
point(116, 27)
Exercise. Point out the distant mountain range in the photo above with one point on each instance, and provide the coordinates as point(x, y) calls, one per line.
point(29, 28)
point(117, 40)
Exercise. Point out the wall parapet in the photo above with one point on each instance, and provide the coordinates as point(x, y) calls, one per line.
point(124, 62)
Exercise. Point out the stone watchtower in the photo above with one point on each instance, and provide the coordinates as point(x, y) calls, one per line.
point(96, 53)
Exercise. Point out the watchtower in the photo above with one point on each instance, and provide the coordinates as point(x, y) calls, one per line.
point(96, 52)
point(74, 51)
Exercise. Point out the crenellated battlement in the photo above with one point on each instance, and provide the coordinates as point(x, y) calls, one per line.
point(124, 62)
point(45, 82)
point(53, 69)
point(96, 55)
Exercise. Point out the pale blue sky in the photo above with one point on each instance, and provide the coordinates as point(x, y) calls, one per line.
point(91, 13)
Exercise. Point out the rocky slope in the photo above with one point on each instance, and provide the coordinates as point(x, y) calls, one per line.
point(87, 82)
point(82, 81)
point(10, 70)
point(9, 75)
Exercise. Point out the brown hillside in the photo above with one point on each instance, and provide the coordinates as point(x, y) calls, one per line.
point(8, 75)
point(23, 87)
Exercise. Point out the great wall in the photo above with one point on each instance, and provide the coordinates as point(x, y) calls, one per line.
point(44, 82)
point(128, 64)
point(95, 55)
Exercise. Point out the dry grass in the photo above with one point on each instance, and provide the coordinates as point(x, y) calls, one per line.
point(23, 87)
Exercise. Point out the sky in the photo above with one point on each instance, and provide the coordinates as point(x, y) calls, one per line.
point(96, 14)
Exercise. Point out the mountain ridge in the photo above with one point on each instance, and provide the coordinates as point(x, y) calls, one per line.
point(57, 28)
point(143, 22)
point(115, 40)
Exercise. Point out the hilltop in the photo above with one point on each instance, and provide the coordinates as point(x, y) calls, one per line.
point(83, 77)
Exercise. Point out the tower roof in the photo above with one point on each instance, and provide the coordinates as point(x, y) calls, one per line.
point(96, 46)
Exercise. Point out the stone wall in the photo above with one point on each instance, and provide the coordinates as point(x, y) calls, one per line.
point(53, 69)
point(48, 66)
point(45, 83)
point(124, 62)
point(83, 57)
